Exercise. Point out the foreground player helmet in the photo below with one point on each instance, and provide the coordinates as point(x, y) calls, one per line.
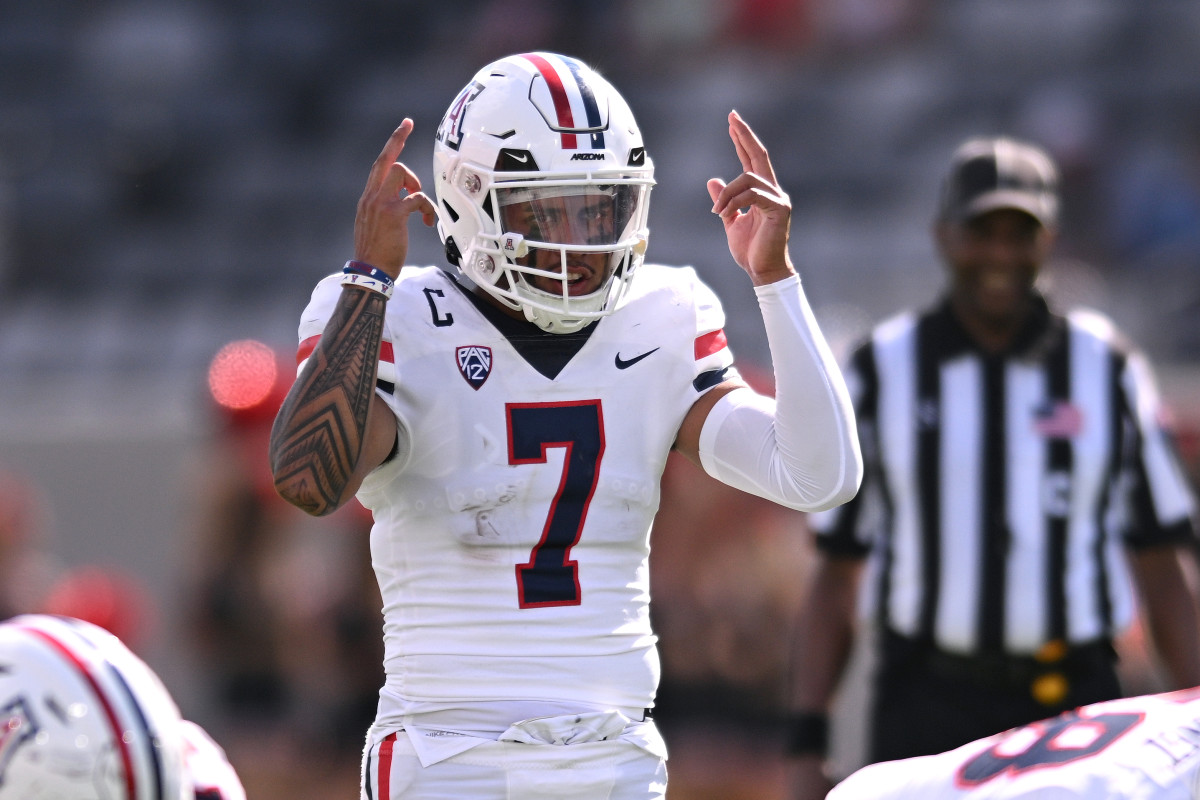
point(83, 718)
point(529, 136)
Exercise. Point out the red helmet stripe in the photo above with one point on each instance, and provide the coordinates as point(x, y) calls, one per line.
point(109, 712)
point(558, 92)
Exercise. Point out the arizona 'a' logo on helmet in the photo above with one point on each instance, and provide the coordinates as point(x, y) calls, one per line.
point(527, 128)
point(449, 133)
point(17, 727)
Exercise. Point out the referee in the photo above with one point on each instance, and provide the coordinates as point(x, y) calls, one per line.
point(1019, 491)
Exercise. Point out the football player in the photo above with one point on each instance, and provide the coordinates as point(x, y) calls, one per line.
point(507, 423)
point(1144, 747)
point(83, 718)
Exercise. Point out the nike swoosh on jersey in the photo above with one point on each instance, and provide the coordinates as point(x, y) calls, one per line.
point(627, 363)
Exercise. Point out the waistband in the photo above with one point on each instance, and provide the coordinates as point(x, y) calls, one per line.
point(490, 719)
point(433, 745)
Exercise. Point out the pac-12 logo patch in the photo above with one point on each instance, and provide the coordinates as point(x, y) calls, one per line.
point(16, 728)
point(475, 363)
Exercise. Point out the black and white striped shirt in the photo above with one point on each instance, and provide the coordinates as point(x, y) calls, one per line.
point(1001, 489)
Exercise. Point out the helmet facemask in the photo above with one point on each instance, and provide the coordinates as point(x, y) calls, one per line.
point(562, 251)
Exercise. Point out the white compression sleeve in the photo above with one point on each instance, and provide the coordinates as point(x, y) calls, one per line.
point(799, 449)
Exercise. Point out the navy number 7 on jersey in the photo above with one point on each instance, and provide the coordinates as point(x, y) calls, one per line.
point(550, 577)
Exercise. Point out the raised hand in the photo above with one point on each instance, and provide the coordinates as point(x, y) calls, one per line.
point(393, 192)
point(756, 212)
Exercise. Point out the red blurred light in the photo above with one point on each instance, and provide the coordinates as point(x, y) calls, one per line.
point(243, 374)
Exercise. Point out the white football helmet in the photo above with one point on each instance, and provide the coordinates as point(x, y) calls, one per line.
point(534, 132)
point(83, 718)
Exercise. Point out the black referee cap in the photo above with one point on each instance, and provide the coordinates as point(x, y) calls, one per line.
point(990, 173)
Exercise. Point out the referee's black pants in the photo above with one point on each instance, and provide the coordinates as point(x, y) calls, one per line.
point(927, 701)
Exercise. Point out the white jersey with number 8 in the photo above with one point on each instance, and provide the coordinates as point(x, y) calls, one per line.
point(1136, 748)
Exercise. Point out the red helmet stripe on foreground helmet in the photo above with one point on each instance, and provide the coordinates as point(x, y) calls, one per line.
point(109, 713)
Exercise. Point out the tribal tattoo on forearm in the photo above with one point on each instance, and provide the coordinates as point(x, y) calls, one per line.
point(320, 431)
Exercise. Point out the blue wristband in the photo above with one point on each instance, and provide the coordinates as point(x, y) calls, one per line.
point(363, 268)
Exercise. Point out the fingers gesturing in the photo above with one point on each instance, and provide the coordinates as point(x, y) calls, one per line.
point(757, 185)
point(754, 209)
point(392, 193)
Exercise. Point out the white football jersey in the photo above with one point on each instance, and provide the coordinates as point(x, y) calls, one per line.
point(1135, 748)
point(512, 533)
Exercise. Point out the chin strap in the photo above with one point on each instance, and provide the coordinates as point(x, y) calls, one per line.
point(799, 449)
point(453, 255)
point(551, 325)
